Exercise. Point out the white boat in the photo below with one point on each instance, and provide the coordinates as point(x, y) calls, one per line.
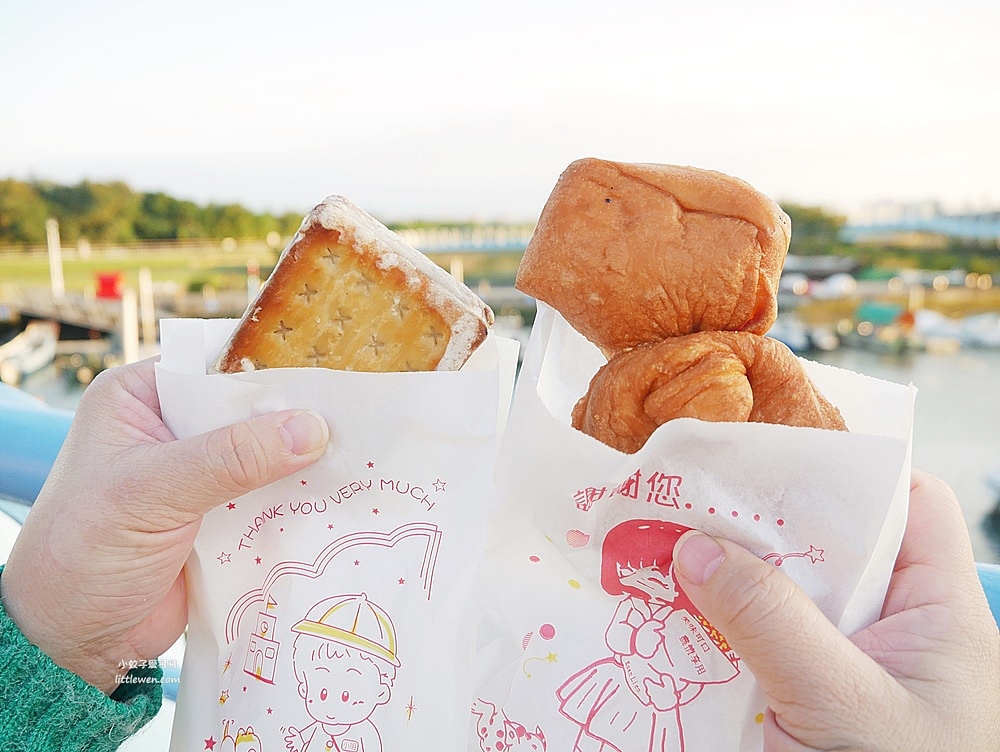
point(980, 330)
point(29, 351)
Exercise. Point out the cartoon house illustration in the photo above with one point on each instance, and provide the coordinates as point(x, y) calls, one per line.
point(262, 652)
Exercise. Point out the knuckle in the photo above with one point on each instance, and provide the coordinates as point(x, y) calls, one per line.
point(758, 603)
point(242, 459)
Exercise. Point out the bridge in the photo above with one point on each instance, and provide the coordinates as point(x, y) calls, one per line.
point(440, 239)
point(476, 239)
point(922, 218)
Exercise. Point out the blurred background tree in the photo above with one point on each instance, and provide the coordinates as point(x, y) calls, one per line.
point(115, 213)
point(815, 231)
point(22, 214)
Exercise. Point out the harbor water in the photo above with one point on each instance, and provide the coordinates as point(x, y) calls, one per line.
point(956, 431)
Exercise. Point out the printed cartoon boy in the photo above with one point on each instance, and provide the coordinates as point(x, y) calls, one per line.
point(344, 658)
point(663, 653)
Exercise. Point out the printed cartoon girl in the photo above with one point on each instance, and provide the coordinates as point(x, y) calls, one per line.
point(344, 658)
point(663, 652)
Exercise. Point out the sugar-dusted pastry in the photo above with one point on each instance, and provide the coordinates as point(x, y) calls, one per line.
point(635, 253)
point(349, 294)
point(713, 376)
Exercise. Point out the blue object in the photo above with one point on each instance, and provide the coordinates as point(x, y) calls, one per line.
point(31, 434)
point(171, 680)
point(989, 575)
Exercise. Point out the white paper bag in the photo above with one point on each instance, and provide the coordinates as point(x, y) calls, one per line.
point(335, 609)
point(585, 641)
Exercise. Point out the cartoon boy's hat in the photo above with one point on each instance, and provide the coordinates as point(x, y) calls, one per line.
point(352, 621)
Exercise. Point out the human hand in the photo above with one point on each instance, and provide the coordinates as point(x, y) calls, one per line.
point(925, 676)
point(95, 577)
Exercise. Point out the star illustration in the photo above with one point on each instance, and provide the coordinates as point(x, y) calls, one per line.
point(357, 563)
point(330, 526)
point(257, 560)
point(371, 465)
point(270, 710)
point(402, 581)
point(552, 658)
point(375, 510)
point(244, 687)
point(224, 558)
point(223, 697)
point(230, 505)
point(303, 482)
point(210, 743)
point(815, 554)
point(439, 485)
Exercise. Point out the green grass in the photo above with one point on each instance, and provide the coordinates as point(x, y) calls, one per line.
point(222, 269)
point(185, 269)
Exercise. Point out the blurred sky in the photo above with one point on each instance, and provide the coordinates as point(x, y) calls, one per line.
point(470, 110)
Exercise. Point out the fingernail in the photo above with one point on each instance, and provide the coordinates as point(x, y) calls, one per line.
point(698, 558)
point(304, 433)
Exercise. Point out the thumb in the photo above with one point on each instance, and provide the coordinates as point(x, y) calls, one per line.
point(223, 464)
point(819, 686)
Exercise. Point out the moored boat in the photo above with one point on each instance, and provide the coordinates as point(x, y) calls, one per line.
point(29, 351)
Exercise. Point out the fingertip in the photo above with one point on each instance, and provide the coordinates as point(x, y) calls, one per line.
point(304, 433)
point(697, 557)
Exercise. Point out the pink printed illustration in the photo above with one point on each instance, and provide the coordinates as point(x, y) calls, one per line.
point(497, 733)
point(813, 554)
point(245, 740)
point(262, 650)
point(344, 658)
point(662, 650)
point(431, 542)
point(332, 656)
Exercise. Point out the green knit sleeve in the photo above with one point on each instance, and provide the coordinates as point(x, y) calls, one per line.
point(46, 708)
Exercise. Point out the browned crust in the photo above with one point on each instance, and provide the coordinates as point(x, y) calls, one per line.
point(634, 253)
point(712, 376)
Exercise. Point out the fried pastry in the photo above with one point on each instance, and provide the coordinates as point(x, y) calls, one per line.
point(349, 294)
point(673, 273)
point(635, 253)
point(713, 376)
